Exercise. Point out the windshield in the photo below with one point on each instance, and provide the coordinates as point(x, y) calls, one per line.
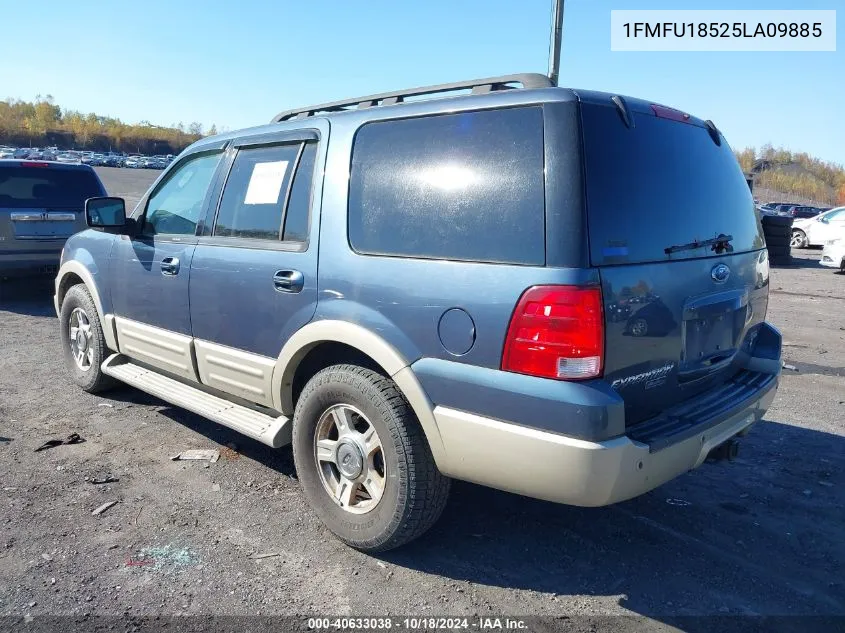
point(41, 187)
point(661, 184)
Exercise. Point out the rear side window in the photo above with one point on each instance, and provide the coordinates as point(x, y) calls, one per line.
point(254, 197)
point(658, 184)
point(299, 205)
point(465, 186)
point(39, 187)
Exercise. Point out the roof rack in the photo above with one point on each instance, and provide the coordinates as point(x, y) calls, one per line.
point(478, 86)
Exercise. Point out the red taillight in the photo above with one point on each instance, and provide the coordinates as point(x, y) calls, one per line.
point(30, 163)
point(669, 113)
point(556, 332)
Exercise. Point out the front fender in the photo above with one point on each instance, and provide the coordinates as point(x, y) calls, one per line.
point(86, 255)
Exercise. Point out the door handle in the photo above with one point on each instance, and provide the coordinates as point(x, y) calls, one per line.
point(288, 281)
point(170, 266)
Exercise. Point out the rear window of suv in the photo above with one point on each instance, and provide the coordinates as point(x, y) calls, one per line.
point(660, 184)
point(465, 186)
point(23, 187)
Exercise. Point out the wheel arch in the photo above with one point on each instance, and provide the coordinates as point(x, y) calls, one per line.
point(72, 273)
point(381, 356)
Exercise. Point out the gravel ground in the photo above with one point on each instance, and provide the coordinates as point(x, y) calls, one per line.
point(762, 535)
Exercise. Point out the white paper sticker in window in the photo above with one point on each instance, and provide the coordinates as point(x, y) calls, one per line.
point(266, 182)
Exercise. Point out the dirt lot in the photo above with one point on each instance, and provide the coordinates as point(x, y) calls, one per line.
point(762, 535)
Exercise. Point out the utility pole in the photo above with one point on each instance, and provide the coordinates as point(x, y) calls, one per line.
point(554, 47)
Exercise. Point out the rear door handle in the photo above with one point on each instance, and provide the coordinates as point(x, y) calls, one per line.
point(288, 281)
point(170, 266)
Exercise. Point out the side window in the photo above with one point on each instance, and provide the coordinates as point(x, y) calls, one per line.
point(253, 200)
point(835, 216)
point(176, 206)
point(465, 186)
point(299, 206)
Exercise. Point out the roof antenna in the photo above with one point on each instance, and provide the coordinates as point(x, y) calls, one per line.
point(554, 47)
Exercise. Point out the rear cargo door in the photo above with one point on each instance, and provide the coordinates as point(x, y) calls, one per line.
point(42, 202)
point(673, 230)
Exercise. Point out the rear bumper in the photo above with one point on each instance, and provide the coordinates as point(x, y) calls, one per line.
point(833, 256)
point(538, 463)
point(566, 470)
point(31, 261)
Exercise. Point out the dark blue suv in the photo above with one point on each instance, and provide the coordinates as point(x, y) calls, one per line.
point(552, 292)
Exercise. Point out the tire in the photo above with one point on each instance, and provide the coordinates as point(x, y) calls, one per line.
point(780, 260)
point(776, 220)
point(799, 239)
point(779, 231)
point(778, 240)
point(86, 373)
point(413, 492)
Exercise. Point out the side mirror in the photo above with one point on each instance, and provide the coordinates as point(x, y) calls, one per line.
point(105, 213)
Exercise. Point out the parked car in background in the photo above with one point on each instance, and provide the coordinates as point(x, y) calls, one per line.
point(817, 230)
point(41, 205)
point(452, 322)
point(22, 152)
point(132, 162)
point(67, 158)
point(112, 160)
point(770, 208)
point(7, 152)
point(833, 255)
point(783, 208)
point(802, 211)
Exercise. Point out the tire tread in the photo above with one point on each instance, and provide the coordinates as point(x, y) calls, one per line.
point(79, 293)
point(427, 490)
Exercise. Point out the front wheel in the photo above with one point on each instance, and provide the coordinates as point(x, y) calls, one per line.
point(82, 340)
point(362, 459)
point(799, 239)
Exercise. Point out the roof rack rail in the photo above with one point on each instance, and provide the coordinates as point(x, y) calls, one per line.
point(478, 86)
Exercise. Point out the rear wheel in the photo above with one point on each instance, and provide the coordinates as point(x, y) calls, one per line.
point(82, 340)
point(363, 461)
point(770, 221)
point(778, 240)
point(780, 260)
point(778, 231)
point(799, 239)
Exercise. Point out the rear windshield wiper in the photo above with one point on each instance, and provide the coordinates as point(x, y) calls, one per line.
point(718, 244)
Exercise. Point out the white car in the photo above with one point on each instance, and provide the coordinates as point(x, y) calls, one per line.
point(818, 230)
point(833, 255)
point(67, 158)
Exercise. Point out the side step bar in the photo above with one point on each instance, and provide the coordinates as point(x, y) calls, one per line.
point(273, 431)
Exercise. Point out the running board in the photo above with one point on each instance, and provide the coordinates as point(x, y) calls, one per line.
point(273, 431)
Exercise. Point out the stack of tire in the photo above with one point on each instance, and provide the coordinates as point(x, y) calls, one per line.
point(778, 232)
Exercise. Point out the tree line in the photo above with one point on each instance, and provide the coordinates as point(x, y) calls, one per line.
point(42, 123)
point(795, 173)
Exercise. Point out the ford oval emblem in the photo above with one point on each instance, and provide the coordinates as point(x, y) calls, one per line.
point(720, 273)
